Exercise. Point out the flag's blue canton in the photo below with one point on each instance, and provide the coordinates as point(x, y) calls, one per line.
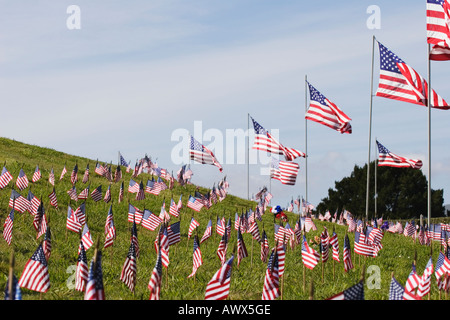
point(388, 60)
point(16, 292)
point(98, 276)
point(271, 260)
point(39, 256)
point(396, 290)
point(195, 145)
point(316, 95)
point(346, 243)
point(355, 293)
point(382, 149)
point(440, 261)
point(440, 2)
point(158, 265)
point(175, 227)
point(82, 256)
point(122, 161)
point(21, 173)
point(258, 128)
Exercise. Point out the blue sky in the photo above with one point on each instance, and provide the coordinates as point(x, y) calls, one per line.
point(138, 71)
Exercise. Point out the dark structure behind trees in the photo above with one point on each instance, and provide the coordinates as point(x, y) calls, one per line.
point(402, 194)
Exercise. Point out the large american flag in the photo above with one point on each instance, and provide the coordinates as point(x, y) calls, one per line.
point(201, 154)
point(389, 159)
point(218, 287)
point(284, 171)
point(271, 287)
point(438, 30)
point(323, 111)
point(264, 141)
point(35, 275)
point(399, 81)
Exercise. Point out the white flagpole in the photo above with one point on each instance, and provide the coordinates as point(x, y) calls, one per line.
point(370, 133)
point(306, 141)
point(429, 137)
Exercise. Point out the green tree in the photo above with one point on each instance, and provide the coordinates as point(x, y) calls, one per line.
point(401, 194)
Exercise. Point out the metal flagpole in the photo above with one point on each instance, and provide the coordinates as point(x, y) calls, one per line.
point(248, 156)
point(370, 133)
point(429, 136)
point(306, 142)
point(375, 174)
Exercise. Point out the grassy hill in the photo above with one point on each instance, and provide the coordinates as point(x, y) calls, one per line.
point(247, 279)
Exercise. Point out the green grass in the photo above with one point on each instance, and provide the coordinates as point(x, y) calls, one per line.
point(247, 278)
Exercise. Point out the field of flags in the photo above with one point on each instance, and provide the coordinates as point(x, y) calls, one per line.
point(174, 240)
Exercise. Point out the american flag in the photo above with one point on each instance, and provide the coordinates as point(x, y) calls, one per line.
point(279, 233)
point(323, 111)
point(254, 230)
point(197, 257)
point(241, 249)
point(173, 233)
point(298, 231)
point(8, 227)
point(122, 160)
point(20, 203)
point(355, 292)
point(271, 287)
point(86, 238)
point(208, 232)
point(74, 174)
point(154, 285)
point(53, 199)
point(34, 203)
point(140, 195)
point(133, 186)
point(442, 265)
point(413, 280)
point(121, 191)
point(47, 243)
point(334, 242)
point(309, 224)
point(72, 192)
point(194, 204)
point(72, 222)
point(110, 229)
point(164, 246)
point(107, 197)
point(222, 248)
point(22, 180)
point(63, 173)
point(220, 226)
point(310, 257)
point(86, 174)
point(94, 286)
point(396, 290)
point(264, 141)
point(134, 239)
point(84, 194)
point(362, 247)
point(218, 287)
point(409, 229)
point(35, 275)
point(284, 171)
point(96, 195)
point(51, 177)
point(324, 245)
point(128, 274)
point(192, 226)
point(281, 253)
point(438, 31)
point(80, 212)
point(389, 159)
point(347, 255)
point(5, 178)
point(264, 247)
point(173, 209)
point(201, 154)
point(425, 280)
point(180, 203)
point(117, 174)
point(40, 221)
point(16, 293)
point(150, 221)
point(399, 81)
point(82, 271)
point(36, 174)
point(99, 169)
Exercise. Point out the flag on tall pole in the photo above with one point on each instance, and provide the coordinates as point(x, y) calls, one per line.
point(389, 159)
point(438, 30)
point(284, 171)
point(201, 154)
point(323, 111)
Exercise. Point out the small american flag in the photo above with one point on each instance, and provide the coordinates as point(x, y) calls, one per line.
point(334, 242)
point(53, 199)
point(82, 271)
point(84, 194)
point(324, 245)
point(264, 141)
point(73, 223)
point(425, 280)
point(86, 238)
point(8, 227)
point(218, 287)
point(94, 286)
point(128, 274)
point(34, 203)
point(254, 230)
point(121, 191)
point(192, 226)
point(140, 195)
point(310, 257)
point(413, 280)
point(72, 192)
point(173, 209)
point(222, 248)
point(80, 212)
point(35, 274)
point(399, 81)
point(86, 174)
point(347, 255)
point(271, 287)
point(197, 258)
point(173, 233)
point(396, 290)
point(194, 204)
point(355, 292)
point(5, 178)
point(20, 203)
point(63, 173)
point(362, 247)
point(47, 243)
point(96, 195)
point(154, 285)
point(134, 239)
point(208, 232)
point(389, 159)
point(40, 221)
point(110, 229)
point(323, 111)
point(99, 169)
point(442, 265)
point(201, 154)
point(150, 221)
point(264, 247)
point(133, 186)
point(22, 180)
point(36, 174)
point(107, 197)
point(241, 248)
point(74, 174)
